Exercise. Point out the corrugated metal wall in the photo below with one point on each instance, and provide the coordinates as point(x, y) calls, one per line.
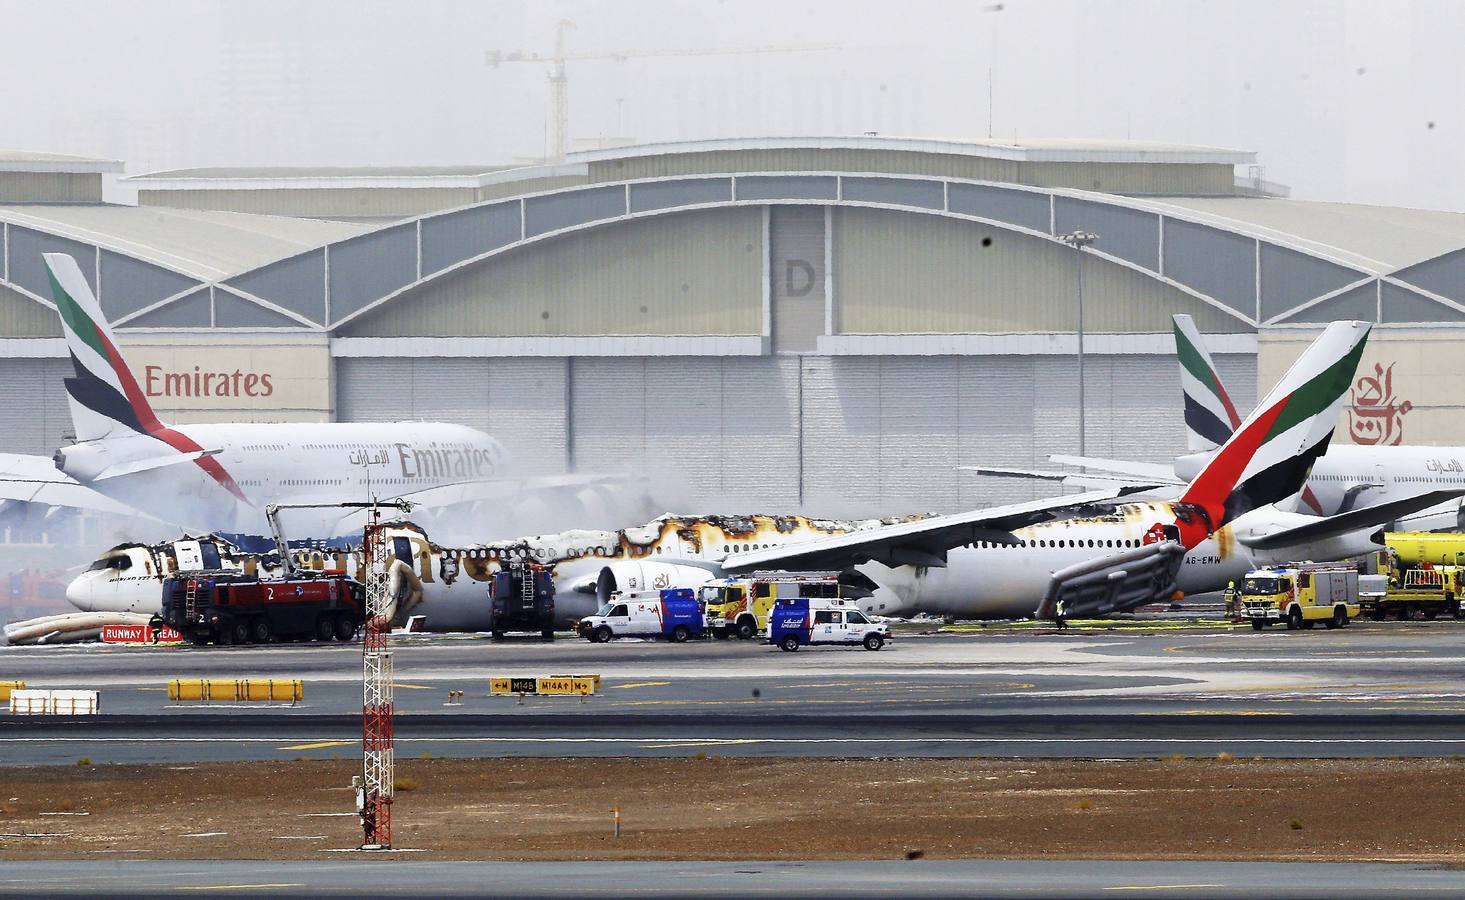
point(521, 402)
point(707, 430)
point(888, 433)
point(1133, 178)
point(36, 415)
point(796, 269)
point(20, 316)
point(50, 187)
point(688, 273)
point(349, 203)
point(1014, 283)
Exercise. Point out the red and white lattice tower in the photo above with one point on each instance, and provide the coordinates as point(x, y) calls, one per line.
point(376, 683)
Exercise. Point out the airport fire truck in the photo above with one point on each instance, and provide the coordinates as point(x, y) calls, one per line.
point(1301, 595)
point(521, 598)
point(740, 606)
point(225, 607)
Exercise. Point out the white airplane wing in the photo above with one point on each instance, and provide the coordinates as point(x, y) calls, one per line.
point(1377, 515)
point(35, 479)
point(924, 542)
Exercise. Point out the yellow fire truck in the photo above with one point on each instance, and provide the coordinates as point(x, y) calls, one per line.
point(1301, 595)
point(740, 606)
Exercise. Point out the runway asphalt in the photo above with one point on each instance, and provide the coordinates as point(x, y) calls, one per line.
point(1390, 689)
point(925, 878)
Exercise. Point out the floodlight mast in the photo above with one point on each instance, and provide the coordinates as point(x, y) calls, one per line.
point(377, 711)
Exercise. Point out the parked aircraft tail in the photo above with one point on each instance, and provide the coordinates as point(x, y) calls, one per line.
point(1268, 457)
point(105, 399)
point(1210, 416)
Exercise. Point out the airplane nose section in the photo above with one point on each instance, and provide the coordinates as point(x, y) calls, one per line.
point(81, 592)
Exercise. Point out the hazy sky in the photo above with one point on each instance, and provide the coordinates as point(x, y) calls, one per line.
point(1352, 101)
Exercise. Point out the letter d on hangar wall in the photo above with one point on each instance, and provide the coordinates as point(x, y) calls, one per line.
point(799, 278)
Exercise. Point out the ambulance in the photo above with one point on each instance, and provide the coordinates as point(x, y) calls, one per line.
point(673, 614)
point(800, 621)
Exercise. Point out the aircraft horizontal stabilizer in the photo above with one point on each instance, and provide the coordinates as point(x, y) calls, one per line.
point(1071, 479)
point(1366, 517)
point(1116, 583)
point(132, 467)
point(1156, 471)
point(35, 479)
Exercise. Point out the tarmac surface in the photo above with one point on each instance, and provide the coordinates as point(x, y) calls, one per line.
point(926, 878)
point(1131, 690)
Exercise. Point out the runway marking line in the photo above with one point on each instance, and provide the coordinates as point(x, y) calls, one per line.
point(641, 684)
point(236, 887)
point(317, 745)
point(1161, 887)
point(725, 743)
point(1222, 712)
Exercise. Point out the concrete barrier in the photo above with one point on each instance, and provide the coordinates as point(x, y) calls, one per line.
point(7, 686)
point(53, 703)
point(237, 690)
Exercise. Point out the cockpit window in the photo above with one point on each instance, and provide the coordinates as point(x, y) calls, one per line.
point(210, 554)
point(120, 563)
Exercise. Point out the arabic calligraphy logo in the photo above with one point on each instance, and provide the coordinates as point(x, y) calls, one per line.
point(1375, 415)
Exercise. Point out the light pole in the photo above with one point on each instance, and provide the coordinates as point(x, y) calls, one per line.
point(1079, 240)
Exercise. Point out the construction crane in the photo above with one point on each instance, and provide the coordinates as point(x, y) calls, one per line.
point(559, 80)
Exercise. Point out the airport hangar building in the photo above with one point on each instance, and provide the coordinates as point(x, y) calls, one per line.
point(825, 323)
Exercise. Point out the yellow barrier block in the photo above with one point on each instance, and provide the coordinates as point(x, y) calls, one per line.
point(7, 686)
point(288, 690)
point(186, 689)
point(291, 690)
point(222, 689)
point(252, 689)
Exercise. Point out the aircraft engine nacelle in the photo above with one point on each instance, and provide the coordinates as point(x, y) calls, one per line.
point(83, 461)
point(1343, 546)
point(648, 576)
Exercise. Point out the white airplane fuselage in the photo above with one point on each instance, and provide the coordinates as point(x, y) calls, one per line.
point(1349, 476)
point(989, 580)
point(260, 464)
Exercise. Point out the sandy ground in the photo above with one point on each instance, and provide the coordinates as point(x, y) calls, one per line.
point(753, 809)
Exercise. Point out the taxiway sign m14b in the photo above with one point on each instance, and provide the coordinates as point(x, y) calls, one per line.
point(1101, 555)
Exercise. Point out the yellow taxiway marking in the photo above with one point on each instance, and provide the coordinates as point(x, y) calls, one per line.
point(235, 887)
point(704, 743)
point(1161, 887)
point(413, 687)
point(1225, 712)
point(319, 744)
point(638, 684)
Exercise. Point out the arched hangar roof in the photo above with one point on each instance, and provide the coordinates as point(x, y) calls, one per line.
point(1263, 262)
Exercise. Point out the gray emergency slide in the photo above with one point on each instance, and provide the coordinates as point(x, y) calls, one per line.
point(1116, 583)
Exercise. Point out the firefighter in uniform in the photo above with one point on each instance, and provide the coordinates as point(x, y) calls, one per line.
point(1233, 601)
point(1060, 615)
